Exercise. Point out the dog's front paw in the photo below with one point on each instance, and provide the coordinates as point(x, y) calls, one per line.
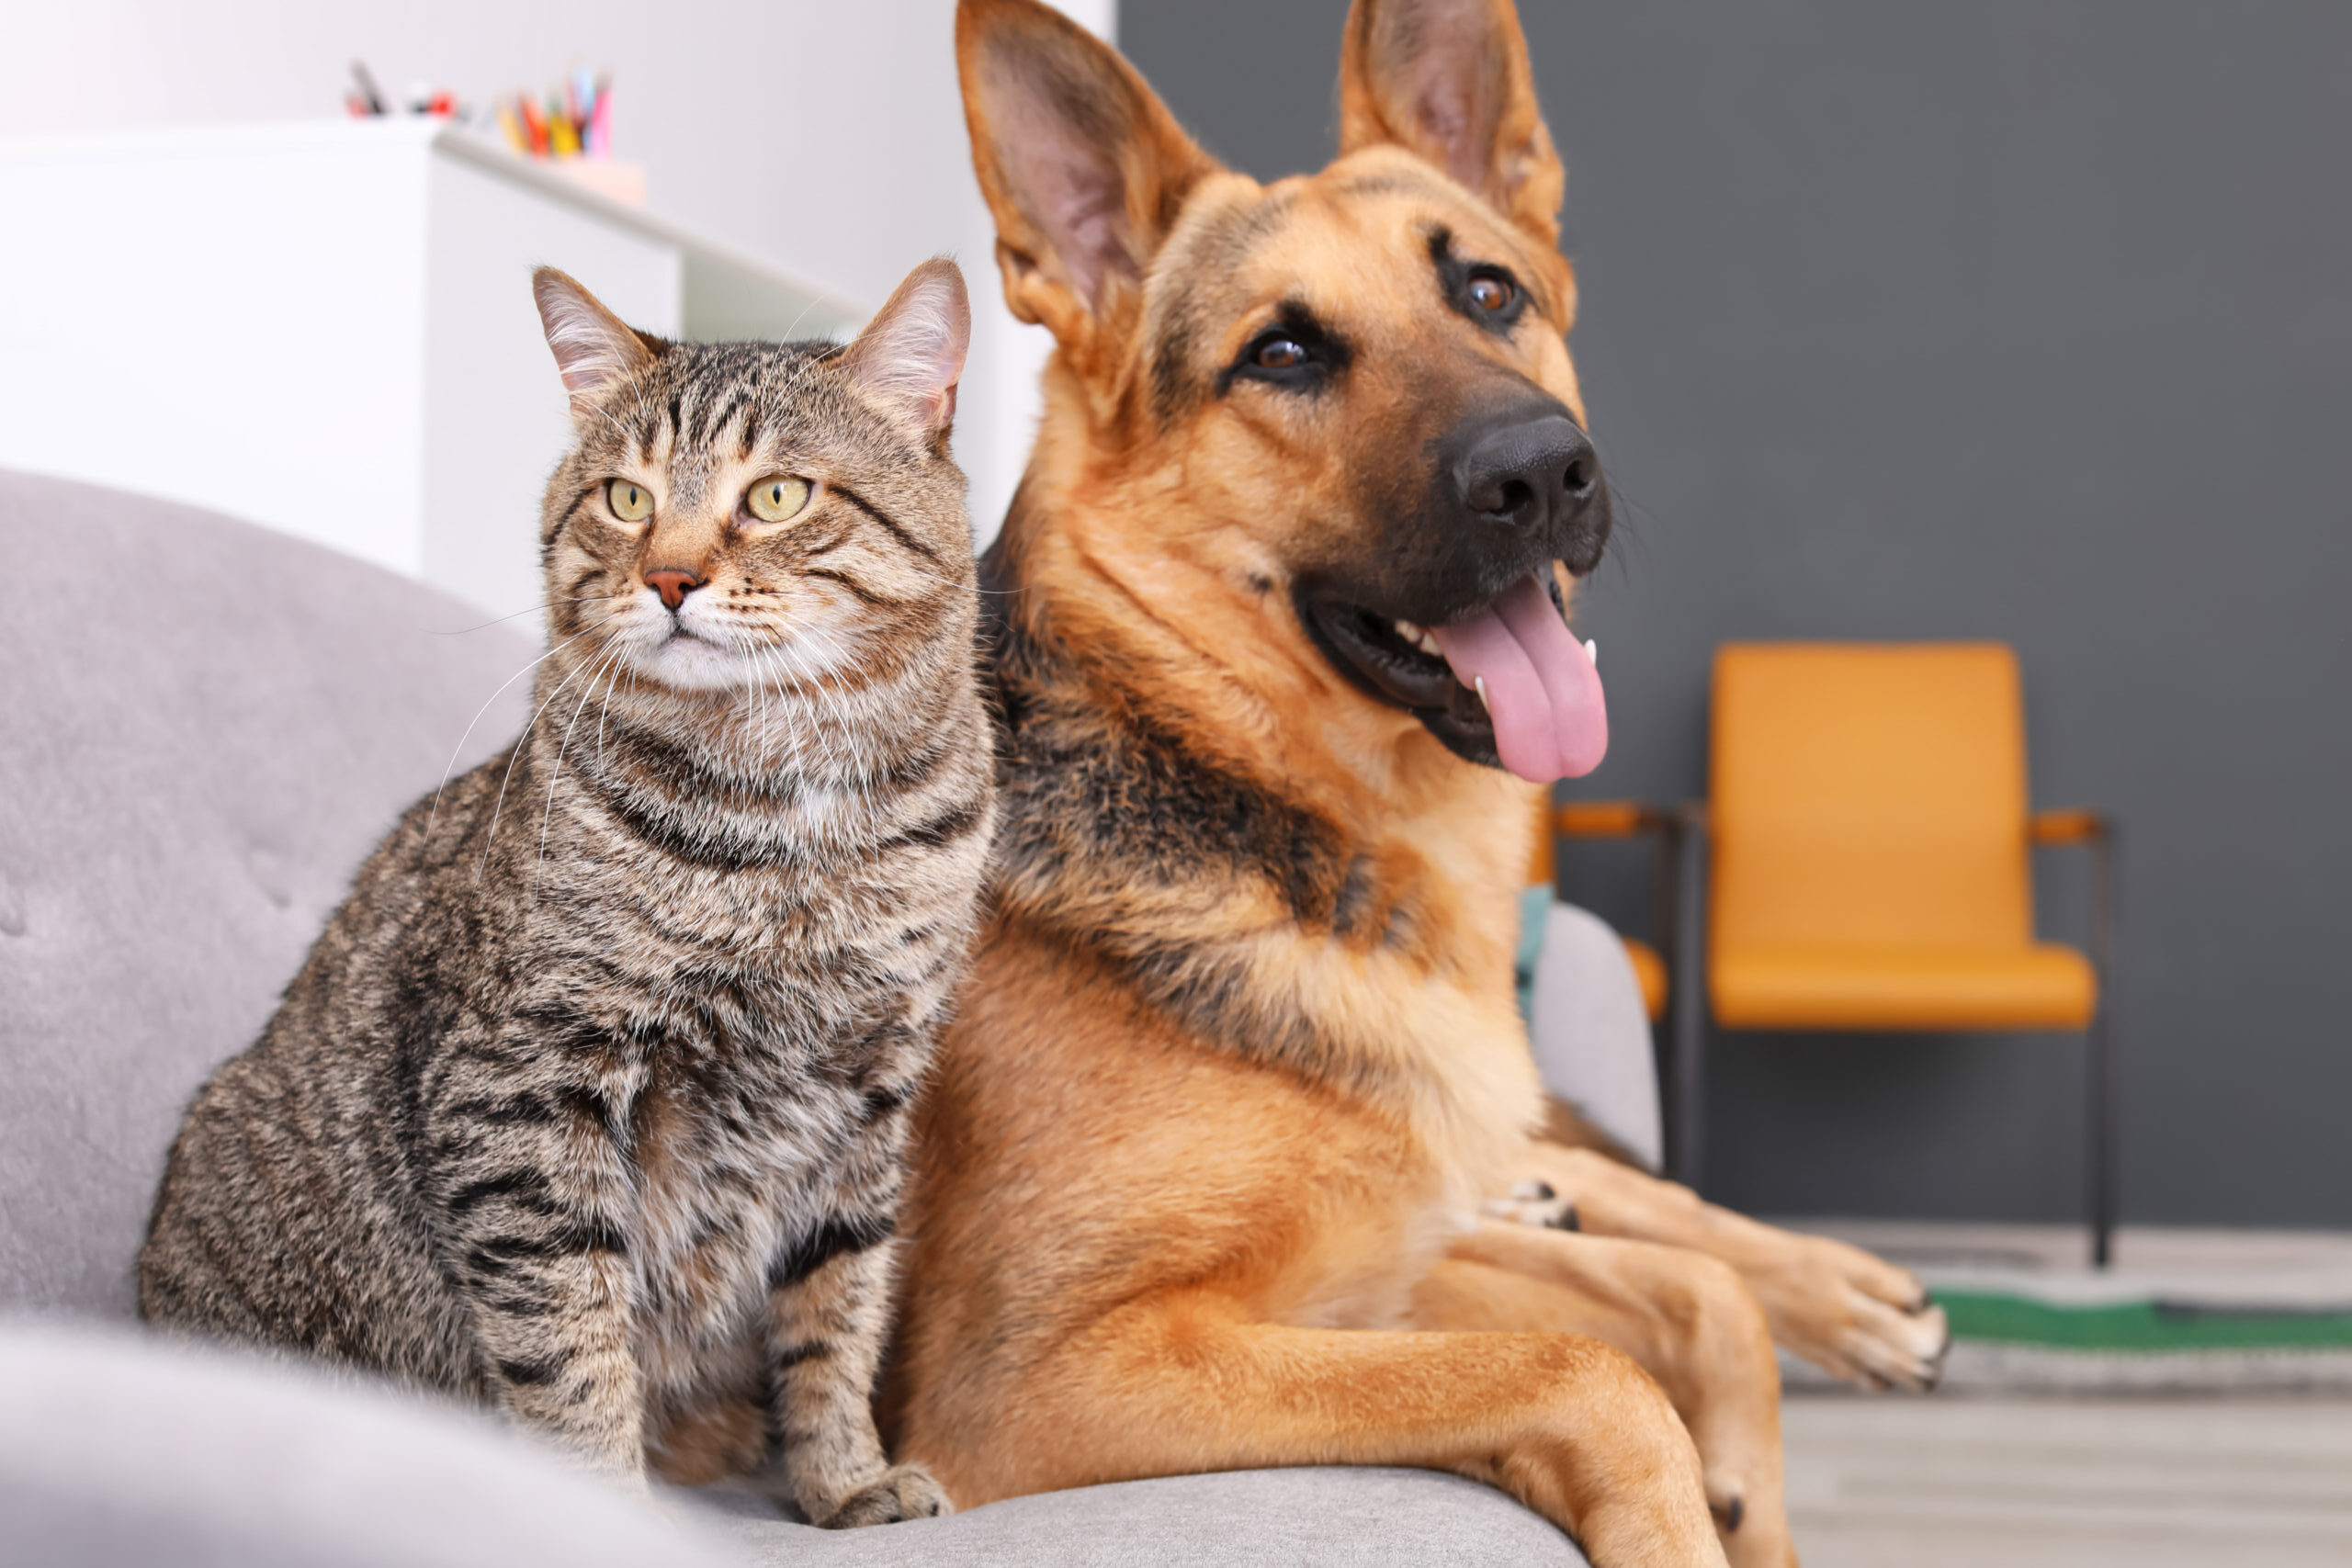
point(1534, 1202)
point(902, 1492)
point(1853, 1316)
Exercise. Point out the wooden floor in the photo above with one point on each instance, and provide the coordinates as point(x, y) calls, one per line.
point(2125, 1482)
point(1932, 1481)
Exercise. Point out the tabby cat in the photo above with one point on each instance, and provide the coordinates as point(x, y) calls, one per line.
point(590, 1102)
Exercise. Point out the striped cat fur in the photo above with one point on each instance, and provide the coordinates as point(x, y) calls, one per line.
point(591, 1103)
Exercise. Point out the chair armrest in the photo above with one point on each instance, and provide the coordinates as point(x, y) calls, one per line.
point(1607, 819)
point(2076, 825)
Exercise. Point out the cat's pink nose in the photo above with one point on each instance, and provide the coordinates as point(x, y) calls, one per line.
point(673, 586)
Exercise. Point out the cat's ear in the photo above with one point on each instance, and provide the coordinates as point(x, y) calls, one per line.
point(1449, 81)
point(593, 347)
point(912, 353)
point(1083, 167)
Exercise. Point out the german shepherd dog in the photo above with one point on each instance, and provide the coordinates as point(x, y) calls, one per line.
point(1283, 667)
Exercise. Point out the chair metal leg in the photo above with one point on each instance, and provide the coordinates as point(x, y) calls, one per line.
point(2097, 1140)
point(1688, 1106)
point(2098, 1050)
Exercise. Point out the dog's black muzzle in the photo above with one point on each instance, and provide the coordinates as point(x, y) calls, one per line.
point(1507, 492)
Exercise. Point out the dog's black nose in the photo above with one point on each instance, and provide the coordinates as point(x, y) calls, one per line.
point(1534, 473)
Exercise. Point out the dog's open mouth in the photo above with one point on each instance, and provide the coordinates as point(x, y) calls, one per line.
point(1506, 683)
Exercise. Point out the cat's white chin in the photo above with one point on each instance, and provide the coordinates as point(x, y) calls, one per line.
point(690, 663)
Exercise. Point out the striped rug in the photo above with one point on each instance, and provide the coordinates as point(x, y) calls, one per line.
point(2180, 1311)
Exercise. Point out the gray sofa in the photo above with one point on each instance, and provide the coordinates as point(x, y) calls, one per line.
point(205, 726)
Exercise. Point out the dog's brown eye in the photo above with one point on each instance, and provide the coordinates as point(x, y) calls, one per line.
point(1280, 353)
point(1489, 293)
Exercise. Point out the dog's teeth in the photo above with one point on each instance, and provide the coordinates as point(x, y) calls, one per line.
point(1416, 636)
point(1479, 682)
point(1592, 651)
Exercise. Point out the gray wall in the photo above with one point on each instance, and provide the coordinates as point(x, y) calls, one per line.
point(2021, 319)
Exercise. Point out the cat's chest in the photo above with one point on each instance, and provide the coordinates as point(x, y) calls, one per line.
point(706, 1144)
point(725, 1181)
point(756, 966)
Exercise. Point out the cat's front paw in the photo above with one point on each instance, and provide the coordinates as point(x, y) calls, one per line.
point(902, 1492)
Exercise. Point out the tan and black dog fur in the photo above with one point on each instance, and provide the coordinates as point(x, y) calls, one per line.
point(1202, 1165)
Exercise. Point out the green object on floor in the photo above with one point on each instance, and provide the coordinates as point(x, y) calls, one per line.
point(2147, 1324)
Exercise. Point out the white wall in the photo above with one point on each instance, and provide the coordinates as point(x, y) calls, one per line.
point(826, 138)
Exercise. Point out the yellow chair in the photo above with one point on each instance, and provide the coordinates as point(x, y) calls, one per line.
point(1869, 867)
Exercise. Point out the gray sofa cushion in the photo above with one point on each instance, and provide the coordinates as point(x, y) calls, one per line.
point(125, 1452)
point(1246, 1519)
point(204, 727)
point(119, 1448)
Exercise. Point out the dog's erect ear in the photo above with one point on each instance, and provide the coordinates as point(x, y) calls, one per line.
point(1082, 165)
point(1448, 80)
point(912, 353)
point(593, 347)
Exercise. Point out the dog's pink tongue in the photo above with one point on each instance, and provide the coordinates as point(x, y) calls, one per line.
point(1551, 721)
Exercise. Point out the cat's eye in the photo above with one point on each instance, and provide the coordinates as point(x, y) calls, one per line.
point(631, 501)
point(780, 497)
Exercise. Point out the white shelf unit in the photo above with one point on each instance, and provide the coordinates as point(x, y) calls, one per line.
point(327, 329)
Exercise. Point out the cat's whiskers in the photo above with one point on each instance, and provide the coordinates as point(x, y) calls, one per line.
point(863, 736)
point(803, 736)
point(761, 636)
point(813, 682)
point(756, 690)
point(604, 709)
point(951, 582)
point(755, 698)
point(434, 815)
point(805, 729)
point(633, 381)
point(499, 807)
point(556, 773)
point(785, 336)
point(591, 598)
point(795, 732)
point(807, 736)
